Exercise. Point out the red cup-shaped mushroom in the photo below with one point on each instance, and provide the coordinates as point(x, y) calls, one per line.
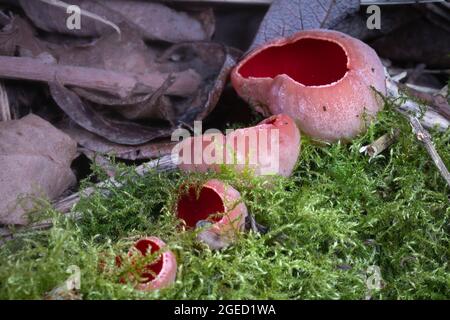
point(271, 147)
point(323, 79)
point(216, 209)
point(158, 274)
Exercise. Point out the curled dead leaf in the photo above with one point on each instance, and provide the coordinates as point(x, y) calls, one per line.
point(119, 131)
point(97, 144)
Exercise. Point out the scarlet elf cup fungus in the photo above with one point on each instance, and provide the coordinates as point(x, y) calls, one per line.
point(271, 147)
point(323, 79)
point(216, 209)
point(158, 274)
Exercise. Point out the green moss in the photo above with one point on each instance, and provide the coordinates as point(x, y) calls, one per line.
point(336, 217)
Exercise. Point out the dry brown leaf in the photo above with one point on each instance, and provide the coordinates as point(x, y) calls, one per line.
point(100, 145)
point(18, 36)
point(115, 130)
point(159, 22)
point(53, 18)
point(126, 53)
point(154, 21)
point(35, 161)
point(286, 17)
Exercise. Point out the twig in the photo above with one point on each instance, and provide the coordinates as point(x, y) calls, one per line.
point(66, 205)
point(381, 144)
point(429, 119)
point(395, 70)
point(424, 137)
point(422, 88)
point(161, 165)
point(435, 98)
point(122, 83)
point(437, 71)
point(5, 111)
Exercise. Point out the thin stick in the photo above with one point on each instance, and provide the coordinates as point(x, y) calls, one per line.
point(430, 119)
point(424, 137)
point(381, 144)
point(5, 111)
point(435, 98)
point(66, 205)
point(121, 83)
point(422, 88)
point(162, 164)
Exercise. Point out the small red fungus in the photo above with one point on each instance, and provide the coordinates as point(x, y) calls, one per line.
point(158, 274)
point(207, 206)
point(271, 147)
point(323, 79)
point(217, 204)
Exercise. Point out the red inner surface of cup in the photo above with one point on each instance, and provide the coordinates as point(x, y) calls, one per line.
point(311, 62)
point(205, 205)
point(146, 246)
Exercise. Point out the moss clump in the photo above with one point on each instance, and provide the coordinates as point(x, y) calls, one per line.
point(335, 219)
